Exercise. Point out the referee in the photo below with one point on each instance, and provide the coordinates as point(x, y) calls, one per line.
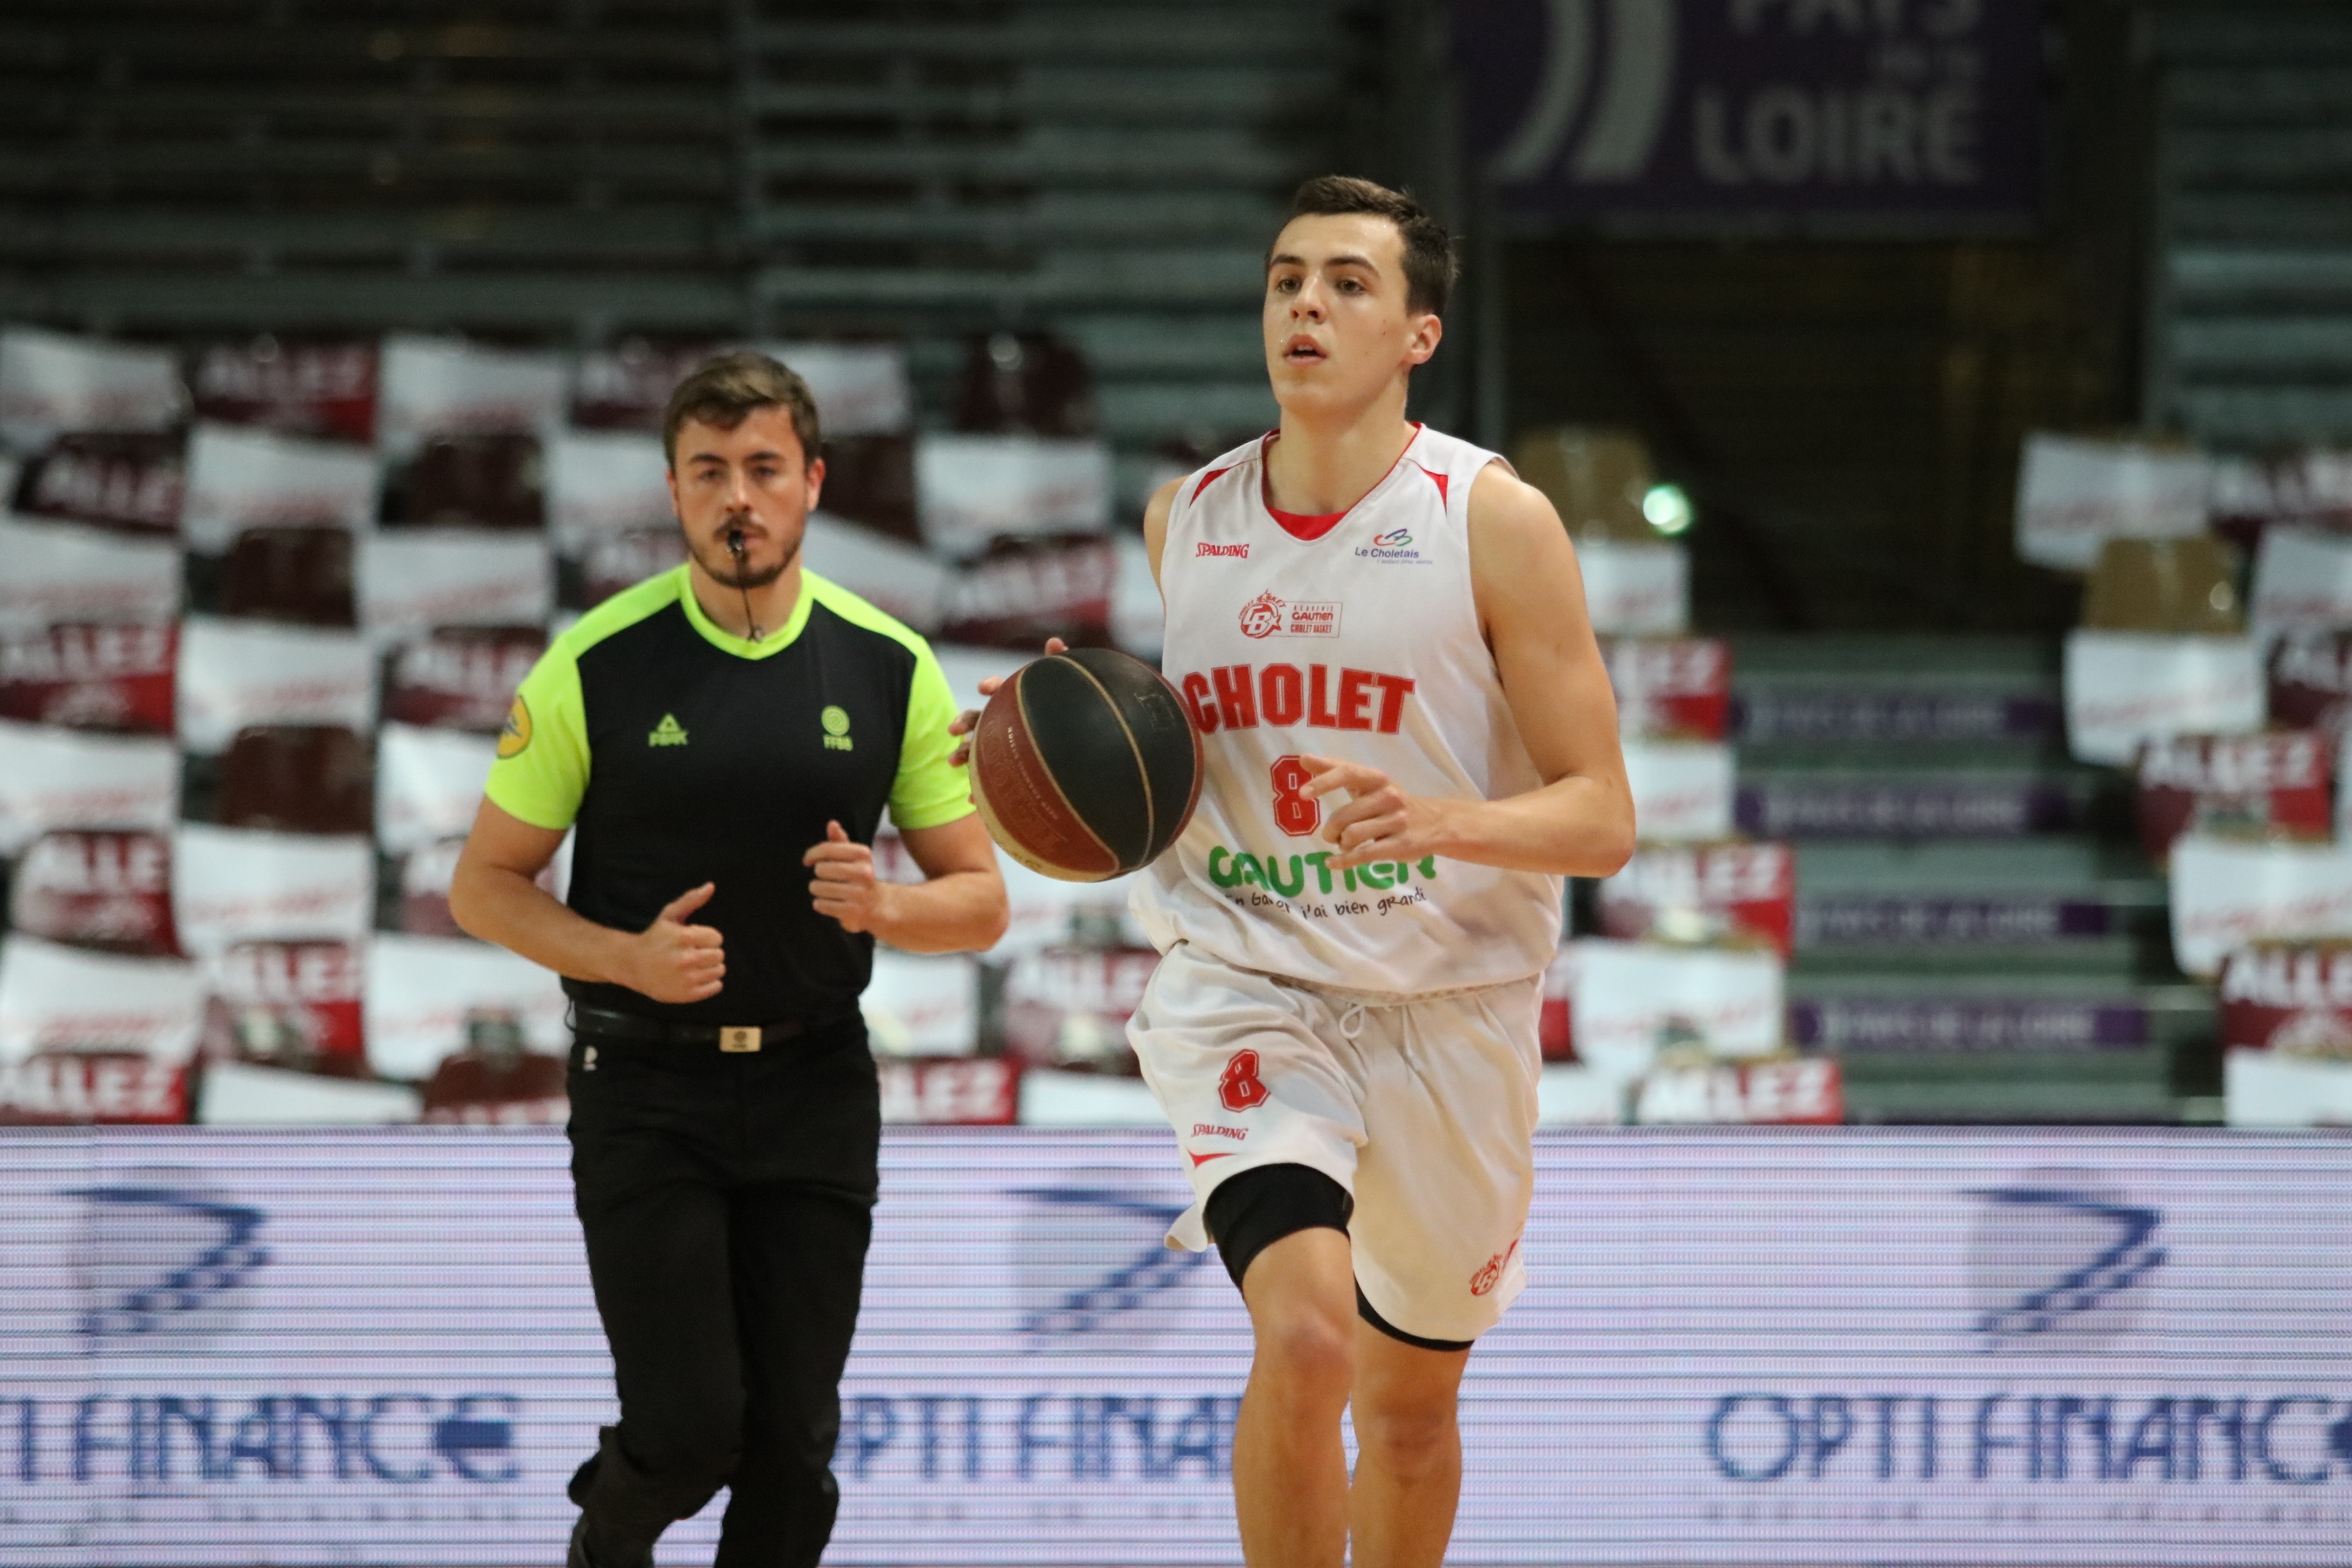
point(722, 739)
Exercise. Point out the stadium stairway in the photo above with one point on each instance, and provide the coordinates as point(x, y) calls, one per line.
point(2250, 335)
point(1978, 935)
point(1104, 171)
point(548, 169)
point(1109, 172)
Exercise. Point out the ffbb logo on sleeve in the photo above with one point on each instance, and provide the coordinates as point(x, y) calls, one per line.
point(515, 738)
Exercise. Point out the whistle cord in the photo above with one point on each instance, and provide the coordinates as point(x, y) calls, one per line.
point(742, 584)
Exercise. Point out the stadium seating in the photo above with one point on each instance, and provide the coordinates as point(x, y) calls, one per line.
point(97, 889)
point(903, 192)
point(1875, 883)
point(279, 538)
point(297, 778)
point(291, 574)
point(245, 720)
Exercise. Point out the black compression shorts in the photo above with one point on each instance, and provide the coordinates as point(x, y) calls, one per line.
point(1250, 1211)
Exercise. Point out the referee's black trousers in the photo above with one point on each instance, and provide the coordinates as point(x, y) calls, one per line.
point(727, 1201)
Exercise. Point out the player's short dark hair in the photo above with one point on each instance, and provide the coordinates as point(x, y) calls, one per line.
point(1430, 264)
point(727, 389)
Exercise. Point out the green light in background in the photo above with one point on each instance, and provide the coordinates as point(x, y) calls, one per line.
point(1667, 508)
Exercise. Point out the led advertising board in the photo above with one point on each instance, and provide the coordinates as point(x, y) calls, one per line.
point(1831, 1347)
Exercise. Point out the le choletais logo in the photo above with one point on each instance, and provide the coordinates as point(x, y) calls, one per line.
point(1395, 545)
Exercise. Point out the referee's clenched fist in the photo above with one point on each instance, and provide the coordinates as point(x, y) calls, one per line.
point(845, 888)
point(673, 961)
point(736, 728)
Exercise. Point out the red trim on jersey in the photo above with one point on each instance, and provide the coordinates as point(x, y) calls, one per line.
point(1307, 529)
point(1211, 477)
point(1435, 478)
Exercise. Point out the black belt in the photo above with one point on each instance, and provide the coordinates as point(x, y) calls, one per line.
point(606, 1024)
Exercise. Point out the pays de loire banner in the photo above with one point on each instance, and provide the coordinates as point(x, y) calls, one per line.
point(1913, 114)
point(1842, 1347)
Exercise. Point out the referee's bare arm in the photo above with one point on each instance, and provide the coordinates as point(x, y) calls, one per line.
point(959, 907)
point(496, 896)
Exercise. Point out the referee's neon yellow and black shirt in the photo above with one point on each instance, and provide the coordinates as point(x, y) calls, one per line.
point(681, 754)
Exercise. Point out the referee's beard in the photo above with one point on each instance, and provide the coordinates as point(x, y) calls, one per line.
point(719, 561)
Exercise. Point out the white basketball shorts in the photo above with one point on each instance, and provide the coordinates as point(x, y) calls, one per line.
point(1424, 1109)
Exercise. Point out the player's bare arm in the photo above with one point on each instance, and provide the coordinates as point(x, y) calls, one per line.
point(962, 726)
point(1155, 522)
point(495, 895)
point(1530, 601)
point(959, 907)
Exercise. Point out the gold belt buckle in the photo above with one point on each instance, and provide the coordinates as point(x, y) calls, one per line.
point(739, 1038)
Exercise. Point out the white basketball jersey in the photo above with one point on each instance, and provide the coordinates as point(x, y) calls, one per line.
point(1353, 636)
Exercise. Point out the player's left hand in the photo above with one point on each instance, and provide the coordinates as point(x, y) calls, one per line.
point(845, 888)
point(1380, 822)
point(964, 723)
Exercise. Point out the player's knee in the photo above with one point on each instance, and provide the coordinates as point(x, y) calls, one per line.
point(1308, 1345)
point(1282, 1231)
point(1406, 1437)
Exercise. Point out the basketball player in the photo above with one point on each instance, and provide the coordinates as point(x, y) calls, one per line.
point(1381, 633)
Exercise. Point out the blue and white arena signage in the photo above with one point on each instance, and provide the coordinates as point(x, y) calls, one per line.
point(1896, 116)
point(1847, 1347)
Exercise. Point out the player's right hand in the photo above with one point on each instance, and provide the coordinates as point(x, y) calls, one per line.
point(671, 961)
point(969, 720)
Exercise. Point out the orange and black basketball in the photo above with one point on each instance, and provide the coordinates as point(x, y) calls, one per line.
point(1084, 764)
